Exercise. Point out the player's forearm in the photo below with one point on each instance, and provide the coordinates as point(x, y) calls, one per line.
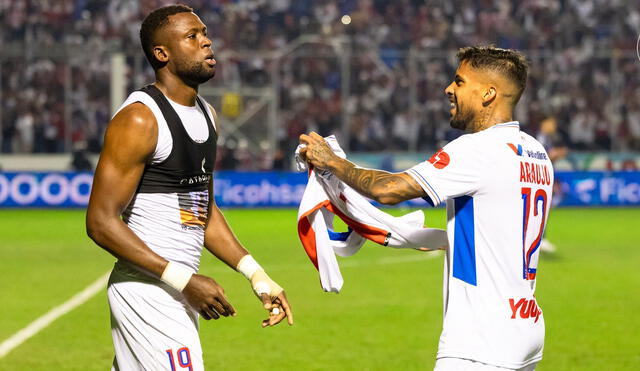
point(113, 235)
point(382, 186)
point(220, 240)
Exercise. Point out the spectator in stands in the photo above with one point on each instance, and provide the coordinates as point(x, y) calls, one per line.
point(632, 126)
point(572, 43)
point(80, 161)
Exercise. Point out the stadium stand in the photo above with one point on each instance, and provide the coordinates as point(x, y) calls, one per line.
point(54, 73)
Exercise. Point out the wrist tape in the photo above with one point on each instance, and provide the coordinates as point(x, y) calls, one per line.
point(248, 266)
point(260, 281)
point(176, 276)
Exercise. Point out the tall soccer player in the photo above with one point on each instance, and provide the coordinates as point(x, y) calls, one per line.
point(497, 182)
point(152, 207)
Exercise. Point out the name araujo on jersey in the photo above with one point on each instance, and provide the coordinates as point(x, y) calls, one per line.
point(532, 172)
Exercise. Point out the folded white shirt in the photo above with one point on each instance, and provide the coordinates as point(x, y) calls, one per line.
point(327, 196)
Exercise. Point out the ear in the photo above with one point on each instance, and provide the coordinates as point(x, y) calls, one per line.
point(489, 95)
point(161, 53)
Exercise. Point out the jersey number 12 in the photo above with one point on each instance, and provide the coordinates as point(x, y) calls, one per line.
point(534, 201)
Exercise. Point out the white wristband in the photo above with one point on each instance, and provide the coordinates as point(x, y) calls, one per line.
point(260, 281)
point(248, 266)
point(176, 276)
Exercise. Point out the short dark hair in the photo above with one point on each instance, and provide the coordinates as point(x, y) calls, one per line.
point(510, 63)
point(154, 21)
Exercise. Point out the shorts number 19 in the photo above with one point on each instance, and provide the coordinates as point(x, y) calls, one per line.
point(184, 359)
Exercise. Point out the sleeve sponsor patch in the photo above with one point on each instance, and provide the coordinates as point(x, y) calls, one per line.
point(440, 159)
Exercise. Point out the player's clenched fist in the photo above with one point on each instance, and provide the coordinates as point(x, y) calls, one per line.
point(207, 297)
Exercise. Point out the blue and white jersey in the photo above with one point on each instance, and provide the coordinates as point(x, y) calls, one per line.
point(497, 185)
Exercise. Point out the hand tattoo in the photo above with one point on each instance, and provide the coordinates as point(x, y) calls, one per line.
point(320, 154)
point(382, 186)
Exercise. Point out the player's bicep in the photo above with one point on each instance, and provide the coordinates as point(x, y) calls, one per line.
point(399, 187)
point(409, 187)
point(384, 187)
point(214, 215)
point(130, 139)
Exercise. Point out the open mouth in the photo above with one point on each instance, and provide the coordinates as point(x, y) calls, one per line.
point(209, 59)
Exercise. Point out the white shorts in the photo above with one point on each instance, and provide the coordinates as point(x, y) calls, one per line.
point(460, 364)
point(153, 328)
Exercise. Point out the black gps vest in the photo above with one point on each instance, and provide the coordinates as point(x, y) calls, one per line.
point(189, 166)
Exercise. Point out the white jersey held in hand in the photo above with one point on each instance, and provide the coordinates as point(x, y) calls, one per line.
point(327, 196)
point(497, 185)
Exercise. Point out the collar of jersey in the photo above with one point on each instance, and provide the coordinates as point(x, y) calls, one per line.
point(182, 106)
point(510, 124)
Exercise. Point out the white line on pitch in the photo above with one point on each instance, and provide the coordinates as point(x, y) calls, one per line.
point(40, 323)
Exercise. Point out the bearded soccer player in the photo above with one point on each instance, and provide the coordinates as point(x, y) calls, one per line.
point(152, 207)
point(496, 181)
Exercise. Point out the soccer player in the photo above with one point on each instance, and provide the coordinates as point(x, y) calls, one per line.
point(152, 207)
point(496, 181)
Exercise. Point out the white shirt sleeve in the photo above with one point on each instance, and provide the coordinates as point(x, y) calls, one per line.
point(451, 172)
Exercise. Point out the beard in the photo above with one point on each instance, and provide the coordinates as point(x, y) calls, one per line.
point(461, 119)
point(195, 73)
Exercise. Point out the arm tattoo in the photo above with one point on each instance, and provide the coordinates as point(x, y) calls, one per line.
point(379, 185)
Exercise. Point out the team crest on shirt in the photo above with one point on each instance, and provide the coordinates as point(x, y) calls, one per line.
point(440, 159)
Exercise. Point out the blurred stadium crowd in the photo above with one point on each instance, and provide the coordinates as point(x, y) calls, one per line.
point(584, 77)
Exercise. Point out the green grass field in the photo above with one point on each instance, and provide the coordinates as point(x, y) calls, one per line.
point(388, 316)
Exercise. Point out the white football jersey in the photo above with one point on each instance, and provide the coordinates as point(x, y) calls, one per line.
point(171, 224)
point(497, 185)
